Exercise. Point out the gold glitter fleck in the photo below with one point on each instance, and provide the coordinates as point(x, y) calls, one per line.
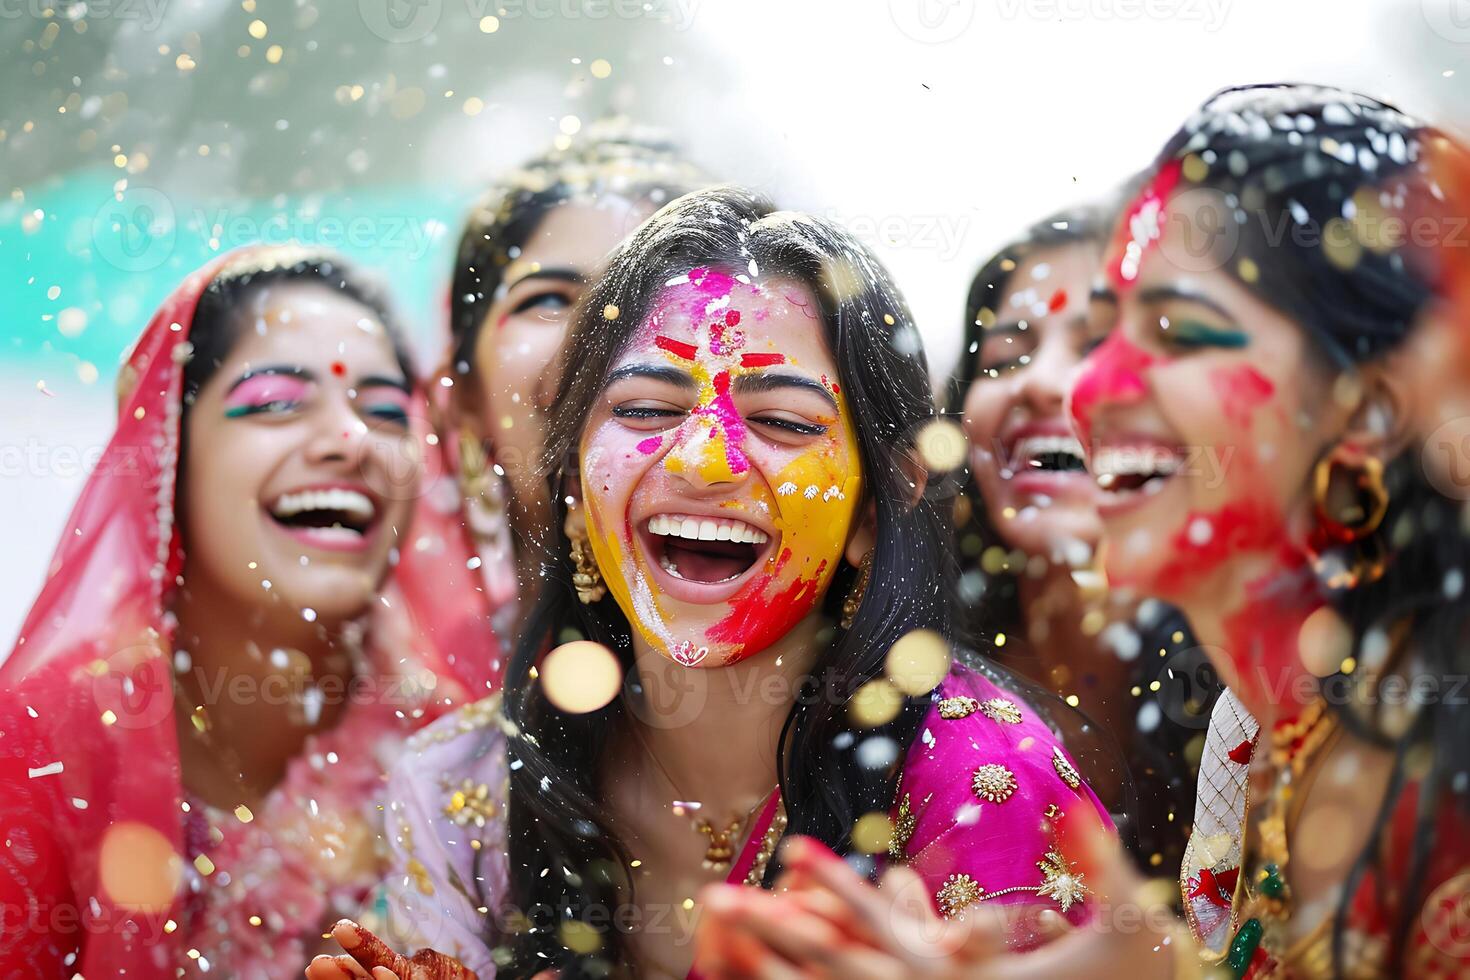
point(952, 709)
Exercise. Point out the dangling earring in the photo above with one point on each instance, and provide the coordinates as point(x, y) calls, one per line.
point(855, 597)
point(474, 465)
point(1353, 529)
point(587, 577)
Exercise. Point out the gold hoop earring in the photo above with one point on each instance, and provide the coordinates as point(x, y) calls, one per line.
point(1353, 530)
point(587, 577)
point(855, 597)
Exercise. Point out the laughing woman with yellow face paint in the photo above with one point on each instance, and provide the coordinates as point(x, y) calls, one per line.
point(749, 623)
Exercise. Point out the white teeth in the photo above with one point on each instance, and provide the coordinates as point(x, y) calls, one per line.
point(669, 566)
point(349, 502)
point(1032, 447)
point(1108, 465)
point(705, 529)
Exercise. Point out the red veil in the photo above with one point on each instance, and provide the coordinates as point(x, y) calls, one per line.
point(91, 828)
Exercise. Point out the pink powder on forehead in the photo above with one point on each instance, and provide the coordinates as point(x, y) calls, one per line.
point(1142, 225)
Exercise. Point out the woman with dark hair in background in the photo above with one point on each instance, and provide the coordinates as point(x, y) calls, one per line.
point(744, 536)
point(204, 700)
point(1325, 569)
point(528, 249)
point(1030, 532)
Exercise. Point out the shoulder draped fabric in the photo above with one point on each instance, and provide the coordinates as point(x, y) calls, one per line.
point(91, 825)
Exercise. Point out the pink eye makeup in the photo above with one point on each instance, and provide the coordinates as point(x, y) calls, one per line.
point(267, 391)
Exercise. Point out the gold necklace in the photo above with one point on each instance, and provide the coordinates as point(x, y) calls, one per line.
point(721, 847)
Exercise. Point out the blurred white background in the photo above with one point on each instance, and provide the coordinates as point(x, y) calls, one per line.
point(936, 129)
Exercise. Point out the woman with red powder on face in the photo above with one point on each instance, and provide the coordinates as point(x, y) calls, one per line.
point(1325, 568)
point(1030, 533)
point(204, 700)
point(747, 541)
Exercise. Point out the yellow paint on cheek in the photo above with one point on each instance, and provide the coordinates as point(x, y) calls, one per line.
point(817, 495)
point(612, 550)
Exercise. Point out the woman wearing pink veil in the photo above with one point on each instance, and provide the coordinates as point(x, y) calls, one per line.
point(199, 711)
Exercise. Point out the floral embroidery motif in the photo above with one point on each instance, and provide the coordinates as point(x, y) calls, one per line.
point(470, 804)
point(1059, 881)
point(903, 830)
point(958, 892)
point(1000, 709)
point(1065, 769)
point(994, 782)
point(952, 709)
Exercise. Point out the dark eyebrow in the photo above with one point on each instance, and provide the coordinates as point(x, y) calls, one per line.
point(655, 372)
point(556, 274)
point(284, 370)
point(1102, 293)
point(1157, 294)
point(774, 380)
point(384, 381)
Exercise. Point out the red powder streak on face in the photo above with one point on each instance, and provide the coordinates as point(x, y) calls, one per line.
point(1241, 527)
point(1112, 374)
point(676, 347)
point(758, 620)
point(339, 369)
point(1057, 302)
point(650, 445)
point(504, 318)
point(761, 360)
point(732, 318)
point(1135, 232)
point(1262, 638)
point(1242, 390)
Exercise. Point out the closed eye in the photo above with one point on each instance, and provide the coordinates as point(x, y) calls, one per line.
point(547, 302)
point(275, 406)
point(388, 412)
point(789, 425)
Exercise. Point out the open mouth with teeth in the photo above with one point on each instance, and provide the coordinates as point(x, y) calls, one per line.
point(338, 515)
point(1049, 454)
point(1134, 469)
point(705, 550)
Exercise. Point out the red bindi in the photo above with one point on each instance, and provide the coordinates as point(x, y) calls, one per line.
point(339, 369)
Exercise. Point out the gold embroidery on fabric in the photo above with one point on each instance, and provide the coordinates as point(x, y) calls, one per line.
point(772, 837)
point(471, 804)
point(1002, 710)
point(958, 893)
point(1059, 881)
point(952, 709)
point(1069, 774)
point(994, 782)
point(903, 828)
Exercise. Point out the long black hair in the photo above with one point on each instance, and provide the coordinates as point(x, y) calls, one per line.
point(1309, 175)
point(610, 157)
point(564, 859)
